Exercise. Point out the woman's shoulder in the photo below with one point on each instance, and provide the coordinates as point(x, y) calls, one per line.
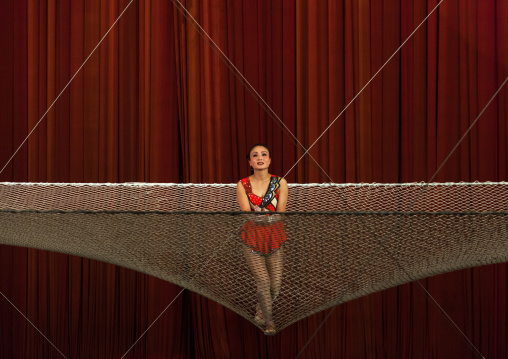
point(280, 179)
point(244, 181)
point(245, 184)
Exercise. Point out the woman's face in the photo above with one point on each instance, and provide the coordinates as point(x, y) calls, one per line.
point(259, 158)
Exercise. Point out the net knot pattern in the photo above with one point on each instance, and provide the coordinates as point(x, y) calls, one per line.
point(344, 241)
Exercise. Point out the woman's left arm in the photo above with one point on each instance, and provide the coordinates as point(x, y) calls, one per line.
point(283, 196)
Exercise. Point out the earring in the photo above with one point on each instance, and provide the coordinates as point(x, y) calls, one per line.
point(251, 170)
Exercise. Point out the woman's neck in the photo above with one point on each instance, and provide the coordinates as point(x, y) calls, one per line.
point(261, 176)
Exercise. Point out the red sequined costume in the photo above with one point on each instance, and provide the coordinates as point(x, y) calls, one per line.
point(266, 234)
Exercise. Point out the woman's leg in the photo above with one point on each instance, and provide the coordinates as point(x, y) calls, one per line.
point(257, 265)
point(274, 266)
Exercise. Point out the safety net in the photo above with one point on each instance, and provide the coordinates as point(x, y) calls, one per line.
point(337, 242)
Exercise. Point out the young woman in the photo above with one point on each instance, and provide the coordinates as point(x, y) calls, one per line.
point(264, 235)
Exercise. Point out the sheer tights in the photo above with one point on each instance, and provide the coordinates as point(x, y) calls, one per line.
point(267, 272)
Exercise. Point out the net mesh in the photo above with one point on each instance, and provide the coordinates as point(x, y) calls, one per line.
point(343, 241)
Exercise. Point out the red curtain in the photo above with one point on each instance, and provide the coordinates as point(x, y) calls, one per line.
point(156, 103)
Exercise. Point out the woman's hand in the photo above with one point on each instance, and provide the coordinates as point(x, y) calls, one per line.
point(259, 218)
point(269, 217)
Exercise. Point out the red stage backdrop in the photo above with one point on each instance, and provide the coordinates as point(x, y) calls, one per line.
point(156, 103)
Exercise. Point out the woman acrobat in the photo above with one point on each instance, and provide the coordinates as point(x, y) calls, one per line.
point(263, 236)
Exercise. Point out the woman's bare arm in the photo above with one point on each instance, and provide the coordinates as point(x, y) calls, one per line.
point(283, 196)
point(243, 200)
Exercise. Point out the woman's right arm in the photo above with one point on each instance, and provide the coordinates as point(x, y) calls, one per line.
point(243, 200)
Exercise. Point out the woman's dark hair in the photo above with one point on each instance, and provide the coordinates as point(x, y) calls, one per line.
point(259, 144)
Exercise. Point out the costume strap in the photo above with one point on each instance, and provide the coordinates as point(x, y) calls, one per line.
point(271, 192)
point(246, 185)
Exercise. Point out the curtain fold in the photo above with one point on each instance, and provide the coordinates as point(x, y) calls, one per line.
point(156, 103)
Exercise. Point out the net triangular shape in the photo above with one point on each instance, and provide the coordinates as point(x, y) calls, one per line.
point(343, 241)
